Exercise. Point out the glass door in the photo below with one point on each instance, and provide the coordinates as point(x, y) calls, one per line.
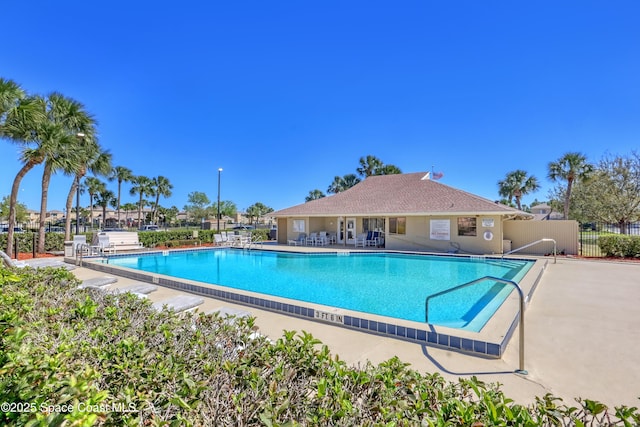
point(351, 230)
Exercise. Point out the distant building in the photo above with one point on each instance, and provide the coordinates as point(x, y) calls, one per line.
point(544, 212)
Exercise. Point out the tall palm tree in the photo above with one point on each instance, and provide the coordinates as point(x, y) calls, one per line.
point(161, 187)
point(141, 186)
point(65, 118)
point(342, 183)
point(10, 95)
point(314, 195)
point(572, 167)
point(20, 124)
point(389, 170)
point(77, 188)
point(18, 115)
point(103, 199)
point(120, 174)
point(128, 208)
point(92, 159)
point(369, 166)
point(94, 187)
point(517, 184)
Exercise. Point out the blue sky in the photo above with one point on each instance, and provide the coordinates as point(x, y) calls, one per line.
point(286, 95)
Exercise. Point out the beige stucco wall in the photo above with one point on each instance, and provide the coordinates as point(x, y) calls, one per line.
point(521, 233)
point(418, 236)
point(312, 224)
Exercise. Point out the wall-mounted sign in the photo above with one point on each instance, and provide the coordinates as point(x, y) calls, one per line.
point(440, 229)
point(487, 222)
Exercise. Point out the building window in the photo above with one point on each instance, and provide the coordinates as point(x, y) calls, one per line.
point(467, 226)
point(373, 224)
point(298, 225)
point(398, 225)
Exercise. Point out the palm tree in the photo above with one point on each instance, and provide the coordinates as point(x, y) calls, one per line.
point(517, 184)
point(129, 207)
point(350, 180)
point(10, 95)
point(161, 187)
point(92, 159)
point(142, 186)
point(369, 166)
point(389, 170)
point(343, 183)
point(120, 174)
point(94, 187)
point(104, 198)
point(65, 118)
point(314, 195)
point(19, 115)
point(573, 168)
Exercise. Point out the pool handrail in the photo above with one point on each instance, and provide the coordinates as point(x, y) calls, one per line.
point(80, 249)
point(521, 369)
point(535, 243)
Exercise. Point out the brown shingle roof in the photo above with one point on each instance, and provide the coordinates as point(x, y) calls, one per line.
point(404, 194)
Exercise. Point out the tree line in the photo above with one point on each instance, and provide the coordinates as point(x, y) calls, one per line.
point(608, 191)
point(59, 133)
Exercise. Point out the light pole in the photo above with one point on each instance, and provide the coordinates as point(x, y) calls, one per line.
point(80, 136)
point(219, 172)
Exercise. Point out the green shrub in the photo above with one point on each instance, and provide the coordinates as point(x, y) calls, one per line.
point(620, 245)
point(53, 241)
point(63, 350)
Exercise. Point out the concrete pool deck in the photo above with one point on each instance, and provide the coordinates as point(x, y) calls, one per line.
point(582, 337)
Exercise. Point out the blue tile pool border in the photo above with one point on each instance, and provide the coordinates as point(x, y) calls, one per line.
point(425, 336)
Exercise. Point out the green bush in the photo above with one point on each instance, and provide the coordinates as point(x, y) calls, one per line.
point(63, 350)
point(620, 245)
point(52, 242)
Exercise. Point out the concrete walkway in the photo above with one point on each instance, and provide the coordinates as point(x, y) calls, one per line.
point(582, 337)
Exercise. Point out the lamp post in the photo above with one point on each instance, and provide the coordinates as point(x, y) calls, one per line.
point(219, 171)
point(80, 136)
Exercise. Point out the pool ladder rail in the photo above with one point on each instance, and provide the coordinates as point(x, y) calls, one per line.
point(521, 369)
point(535, 243)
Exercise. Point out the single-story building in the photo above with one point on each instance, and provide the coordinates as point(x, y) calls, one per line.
point(408, 211)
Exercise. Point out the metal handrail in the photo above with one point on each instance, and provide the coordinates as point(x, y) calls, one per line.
point(521, 369)
point(80, 252)
point(535, 243)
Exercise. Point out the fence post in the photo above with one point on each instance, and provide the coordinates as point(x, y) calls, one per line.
point(15, 246)
point(33, 245)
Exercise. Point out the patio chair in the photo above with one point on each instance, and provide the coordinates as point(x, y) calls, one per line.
point(372, 238)
point(104, 245)
point(322, 239)
point(225, 238)
point(219, 240)
point(361, 240)
point(11, 263)
point(311, 240)
point(80, 244)
point(97, 282)
point(301, 240)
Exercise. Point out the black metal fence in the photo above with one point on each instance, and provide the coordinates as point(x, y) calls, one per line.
point(590, 232)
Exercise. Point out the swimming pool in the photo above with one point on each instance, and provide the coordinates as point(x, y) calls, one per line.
point(385, 284)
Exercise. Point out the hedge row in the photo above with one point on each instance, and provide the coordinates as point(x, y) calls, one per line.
point(620, 245)
point(85, 357)
point(52, 242)
point(150, 239)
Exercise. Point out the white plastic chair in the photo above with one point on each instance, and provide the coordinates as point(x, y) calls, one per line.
point(311, 240)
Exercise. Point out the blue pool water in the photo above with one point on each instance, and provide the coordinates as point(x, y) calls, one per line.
point(393, 285)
